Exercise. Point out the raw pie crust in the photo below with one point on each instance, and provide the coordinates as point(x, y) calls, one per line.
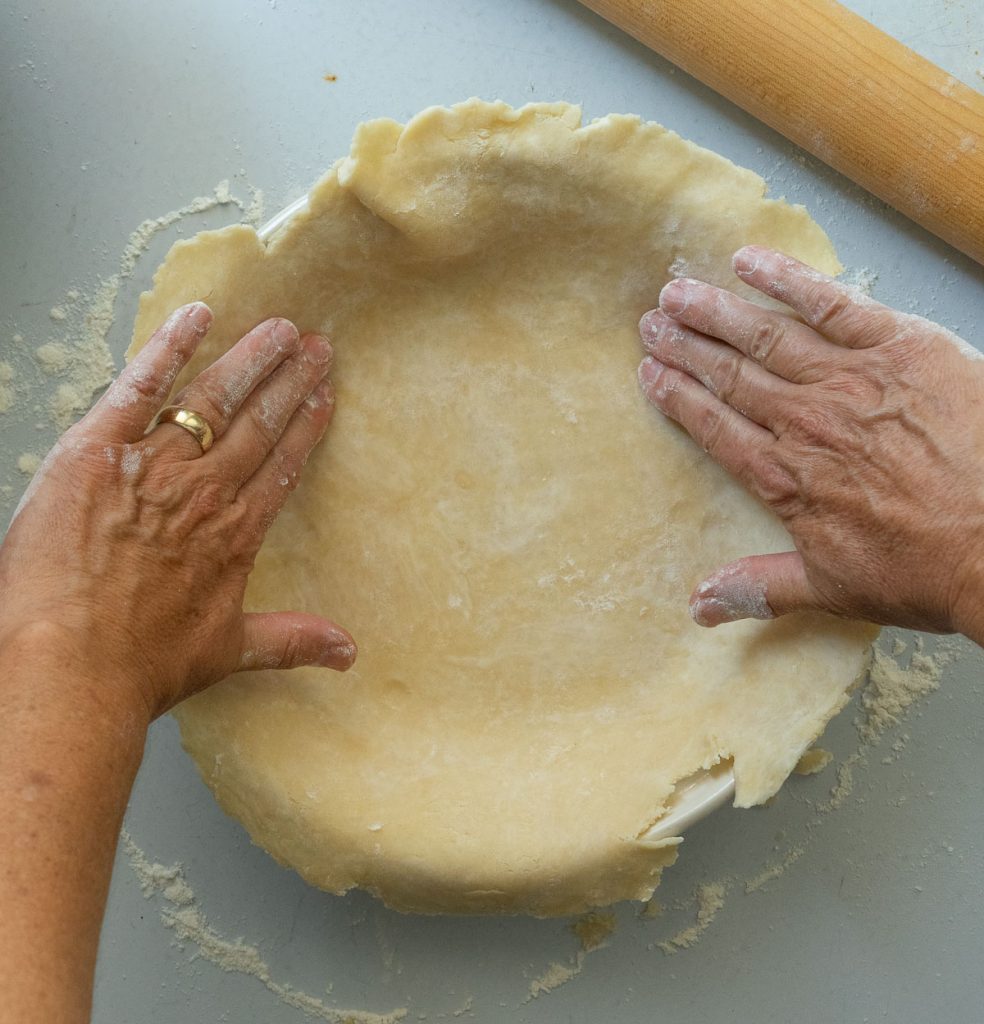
point(507, 528)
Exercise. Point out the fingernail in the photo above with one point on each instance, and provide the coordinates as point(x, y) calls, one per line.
point(323, 395)
point(283, 332)
point(650, 370)
point(318, 348)
point(340, 655)
point(729, 595)
point(651, 379)
point(650, 327)
point(708, 612)
point(675, 296)
point(746, 260)
point(195, 313)
point(198, 312)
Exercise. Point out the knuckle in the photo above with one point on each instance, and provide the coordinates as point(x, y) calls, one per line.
point(209, 499)
point(292, 651)
point(828, 306)
point(766, 335)
point(709, 427)
point(141, 382)
point(776, 484)
point(730, 377)
point(812, 427)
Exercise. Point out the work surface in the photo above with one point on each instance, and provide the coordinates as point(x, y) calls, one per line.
point(116, 112)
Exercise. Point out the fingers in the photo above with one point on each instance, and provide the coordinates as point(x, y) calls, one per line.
point(737, 443)
point(267, 490)
point(266, 412)
point(125, 411)
point(841, 312)
point(293, 639)
point(218, 391)
point(725, 372)
point(777, 342)
point(760, 587)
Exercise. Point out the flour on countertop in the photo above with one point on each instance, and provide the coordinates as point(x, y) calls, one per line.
point(57, 378)
point(893, 687)
point(28, 463)
point(179, 911)
point(773, 871)
point(593, 930)
point(6, 388)
point(555, 975)
point(710, 899)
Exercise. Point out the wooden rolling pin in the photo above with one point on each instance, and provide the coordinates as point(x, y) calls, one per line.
point(842, 89)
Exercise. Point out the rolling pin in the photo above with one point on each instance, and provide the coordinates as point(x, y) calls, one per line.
point(842, 89)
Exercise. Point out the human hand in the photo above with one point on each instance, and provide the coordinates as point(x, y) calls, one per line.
point(130, 551)
point(861, 427)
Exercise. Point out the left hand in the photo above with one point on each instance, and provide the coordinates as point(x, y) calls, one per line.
point(130, 552)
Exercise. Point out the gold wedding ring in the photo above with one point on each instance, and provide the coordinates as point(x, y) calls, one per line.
point(191, 421)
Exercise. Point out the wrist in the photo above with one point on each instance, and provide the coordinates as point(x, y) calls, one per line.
point(54, 663)
point(967, 605)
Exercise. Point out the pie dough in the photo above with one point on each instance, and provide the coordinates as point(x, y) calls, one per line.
point(508, 529)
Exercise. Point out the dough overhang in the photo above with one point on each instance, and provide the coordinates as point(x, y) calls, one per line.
point(505, 526)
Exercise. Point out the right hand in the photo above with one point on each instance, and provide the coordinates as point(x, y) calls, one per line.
point(861, 427)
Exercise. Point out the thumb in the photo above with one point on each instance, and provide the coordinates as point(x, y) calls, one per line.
point(292, 639)
point(760, 587)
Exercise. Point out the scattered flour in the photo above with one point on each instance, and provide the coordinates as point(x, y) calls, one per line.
point(28, 463)
point(54, 358)
point(180, 912)
point(6, 388)
point(710, 899)
point(862, 278)
point(844, 786)
point(80, 360)
point(592, 931)
point(893, 688)
point(555, 975)
point(773, 871)
point(221, 196)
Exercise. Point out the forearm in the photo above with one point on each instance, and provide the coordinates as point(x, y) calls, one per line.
point(71, 745)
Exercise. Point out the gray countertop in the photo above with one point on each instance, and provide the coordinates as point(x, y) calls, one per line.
point(120, 110)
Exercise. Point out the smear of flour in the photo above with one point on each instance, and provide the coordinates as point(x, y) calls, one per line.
point(179, 911)
point(593, 931)
point(709, 898)
point(28, 463)
point(732, 594)
point(6, 386)
point(54, 381)
point(774, 870)
point(893, 687)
